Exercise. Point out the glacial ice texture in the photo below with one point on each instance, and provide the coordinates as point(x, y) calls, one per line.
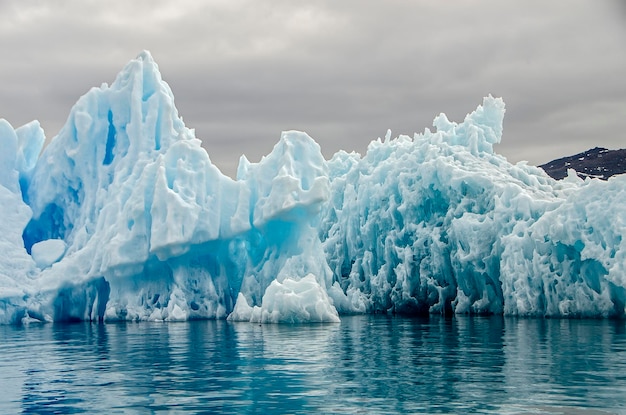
point(123, 217)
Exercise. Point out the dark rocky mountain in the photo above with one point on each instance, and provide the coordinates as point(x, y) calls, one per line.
point(597, 162)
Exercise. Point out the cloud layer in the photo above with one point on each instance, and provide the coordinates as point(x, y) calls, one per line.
point(244, 70)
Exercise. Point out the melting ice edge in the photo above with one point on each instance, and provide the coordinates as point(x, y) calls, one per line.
point(124, 217)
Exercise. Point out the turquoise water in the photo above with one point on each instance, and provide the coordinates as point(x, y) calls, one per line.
point(365, 364)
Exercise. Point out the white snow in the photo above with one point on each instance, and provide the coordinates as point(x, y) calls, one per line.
point(292, 301)
point(46, 253)
point(124, 217)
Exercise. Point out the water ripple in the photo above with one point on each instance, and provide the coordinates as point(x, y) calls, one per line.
point(366, 364)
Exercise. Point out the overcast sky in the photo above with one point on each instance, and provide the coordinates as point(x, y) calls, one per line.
point(343, 71)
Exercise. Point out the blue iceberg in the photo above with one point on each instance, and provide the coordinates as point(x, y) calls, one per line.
point(123, 216)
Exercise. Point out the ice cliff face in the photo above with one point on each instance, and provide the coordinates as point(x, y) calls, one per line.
point(123, 216)
point(440, 224)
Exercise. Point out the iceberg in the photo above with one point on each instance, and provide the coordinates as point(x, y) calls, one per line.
point(123, 216)
point(293, 301)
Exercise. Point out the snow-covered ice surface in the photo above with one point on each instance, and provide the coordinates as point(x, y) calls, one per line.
point(124, 217)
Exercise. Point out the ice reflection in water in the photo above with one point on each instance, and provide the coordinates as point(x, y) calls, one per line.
point(365, 364)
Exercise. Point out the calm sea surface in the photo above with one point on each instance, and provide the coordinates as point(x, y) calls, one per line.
point(365, 364)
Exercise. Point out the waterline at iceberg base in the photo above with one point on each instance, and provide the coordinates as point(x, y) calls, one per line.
point(123, 217)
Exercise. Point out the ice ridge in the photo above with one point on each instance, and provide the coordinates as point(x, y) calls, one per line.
point(123, 216)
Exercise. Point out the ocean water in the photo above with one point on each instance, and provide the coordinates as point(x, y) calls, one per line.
point(365, 364)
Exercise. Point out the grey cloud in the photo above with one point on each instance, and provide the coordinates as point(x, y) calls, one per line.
point(242, 71)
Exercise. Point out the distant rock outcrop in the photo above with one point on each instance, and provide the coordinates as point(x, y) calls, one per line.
point(597, 162)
